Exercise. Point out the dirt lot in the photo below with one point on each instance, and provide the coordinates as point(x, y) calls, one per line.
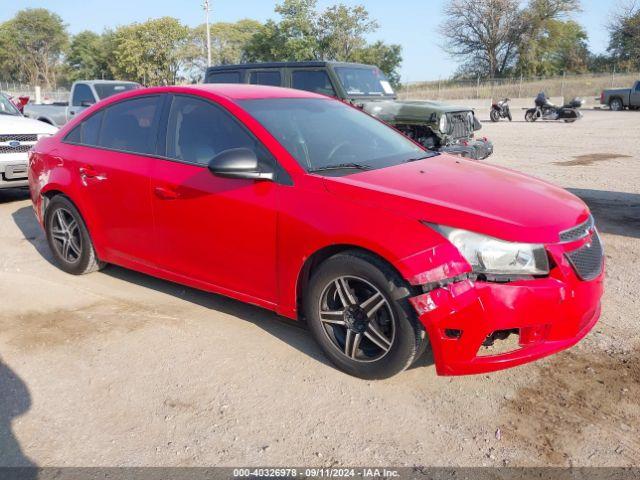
point(117, 368)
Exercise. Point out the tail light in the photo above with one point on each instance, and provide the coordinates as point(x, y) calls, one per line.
point(602, 97)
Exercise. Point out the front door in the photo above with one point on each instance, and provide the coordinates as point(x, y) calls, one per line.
point(220, 231)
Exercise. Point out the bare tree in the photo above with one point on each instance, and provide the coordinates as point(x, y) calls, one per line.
point(487, 35)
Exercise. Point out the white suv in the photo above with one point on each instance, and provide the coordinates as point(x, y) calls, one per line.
point(17, 135)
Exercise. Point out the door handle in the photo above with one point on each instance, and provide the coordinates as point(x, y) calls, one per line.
point(164, 193)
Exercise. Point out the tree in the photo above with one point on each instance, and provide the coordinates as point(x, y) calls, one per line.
point(89, 56)
point(490, 35)
point(560, 46)
point(341, 31)
point(293, 38)
point(228, 44)
point(337, 33)
point(624, 36)
point(387, 57)
point(31, 46)
point(153, 52)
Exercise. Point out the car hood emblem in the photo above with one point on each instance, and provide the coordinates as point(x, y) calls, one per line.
point(14, 144)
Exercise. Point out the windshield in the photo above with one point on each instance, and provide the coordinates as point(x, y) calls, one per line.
point(321, 133)
point(7, 107)
point(105, 90)
point(364, 81)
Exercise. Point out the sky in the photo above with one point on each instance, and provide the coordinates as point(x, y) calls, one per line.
point(411, 23)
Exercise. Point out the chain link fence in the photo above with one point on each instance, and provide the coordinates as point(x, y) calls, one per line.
point(46, 95)
point(588, 86)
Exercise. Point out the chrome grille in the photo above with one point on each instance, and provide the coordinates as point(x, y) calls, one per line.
point(577, 232)
point(19, 138)
point(458, 125)
point(22, 148)
point(587, 260)
point(17, 143)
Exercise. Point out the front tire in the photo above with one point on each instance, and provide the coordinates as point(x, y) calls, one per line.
point(494, 115)
point(69, 238)
point(356, 309)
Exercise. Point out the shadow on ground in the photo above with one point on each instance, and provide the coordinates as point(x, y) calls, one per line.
point(290, 332)
point(15, 400)
point(617, 213)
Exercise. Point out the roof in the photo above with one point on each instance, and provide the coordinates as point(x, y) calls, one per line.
point(241, 91)
point(100, 82)
point(247, 66)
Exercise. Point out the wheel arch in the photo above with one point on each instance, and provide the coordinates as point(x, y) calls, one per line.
point(319, 256)
point(54, 191)
point(616, 97)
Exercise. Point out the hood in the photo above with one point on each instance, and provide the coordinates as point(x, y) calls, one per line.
point(14, 125)
point(409, 110)
point(466, 194)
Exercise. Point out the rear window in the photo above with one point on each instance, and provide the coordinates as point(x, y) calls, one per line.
point(224, 77)
point(105, 90)
point(316, 81)
point(129, 126)
point(271, 78)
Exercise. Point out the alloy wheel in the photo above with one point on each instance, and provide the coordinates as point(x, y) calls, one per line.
point(65, 232)
point(357, 318)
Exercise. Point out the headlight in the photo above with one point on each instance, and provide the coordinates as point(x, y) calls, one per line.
point(443, 124)
point(493, 256)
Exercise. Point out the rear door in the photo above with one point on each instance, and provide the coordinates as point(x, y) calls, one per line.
point(112, 153)
point(221, 231)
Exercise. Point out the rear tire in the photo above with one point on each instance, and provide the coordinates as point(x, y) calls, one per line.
point(616, 105)
point(509, 116)
point(357, 311)
point(69, 238)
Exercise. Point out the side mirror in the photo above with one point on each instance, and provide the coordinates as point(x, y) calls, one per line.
point(86, 103)
point(238, 163)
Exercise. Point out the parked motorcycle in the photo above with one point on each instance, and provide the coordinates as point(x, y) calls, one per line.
point(500, 110)
point(545, 110)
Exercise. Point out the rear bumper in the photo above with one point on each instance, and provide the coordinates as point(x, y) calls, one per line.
point(548, 315)
point(474, 149)
point(13, 170)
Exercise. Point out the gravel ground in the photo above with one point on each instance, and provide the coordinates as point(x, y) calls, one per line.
point(117, 368)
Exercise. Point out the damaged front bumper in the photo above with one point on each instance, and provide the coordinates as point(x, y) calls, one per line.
point(465, 317)
point(475, 149)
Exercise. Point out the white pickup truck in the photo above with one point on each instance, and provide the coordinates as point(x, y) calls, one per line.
point(84, 93)
point(17, 135)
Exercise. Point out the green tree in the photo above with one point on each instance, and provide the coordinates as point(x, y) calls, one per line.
point(387, 57)
point(89, 56)
point(624, 36)
point(31, 46)
point(560, 46)
point(293, 38)
point(153, 52)
point(337, 33)
point(228, 45)
point(342, 30)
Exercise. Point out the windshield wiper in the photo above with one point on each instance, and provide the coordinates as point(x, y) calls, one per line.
point(341, 166)
point(429, 155)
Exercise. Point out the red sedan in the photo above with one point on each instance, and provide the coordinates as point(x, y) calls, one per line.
point(309, 207)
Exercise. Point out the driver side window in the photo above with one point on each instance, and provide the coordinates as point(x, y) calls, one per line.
point(198, 130)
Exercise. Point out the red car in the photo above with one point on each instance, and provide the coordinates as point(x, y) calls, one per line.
point(307, 206)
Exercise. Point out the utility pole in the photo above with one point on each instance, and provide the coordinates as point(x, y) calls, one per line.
point(207, 9)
